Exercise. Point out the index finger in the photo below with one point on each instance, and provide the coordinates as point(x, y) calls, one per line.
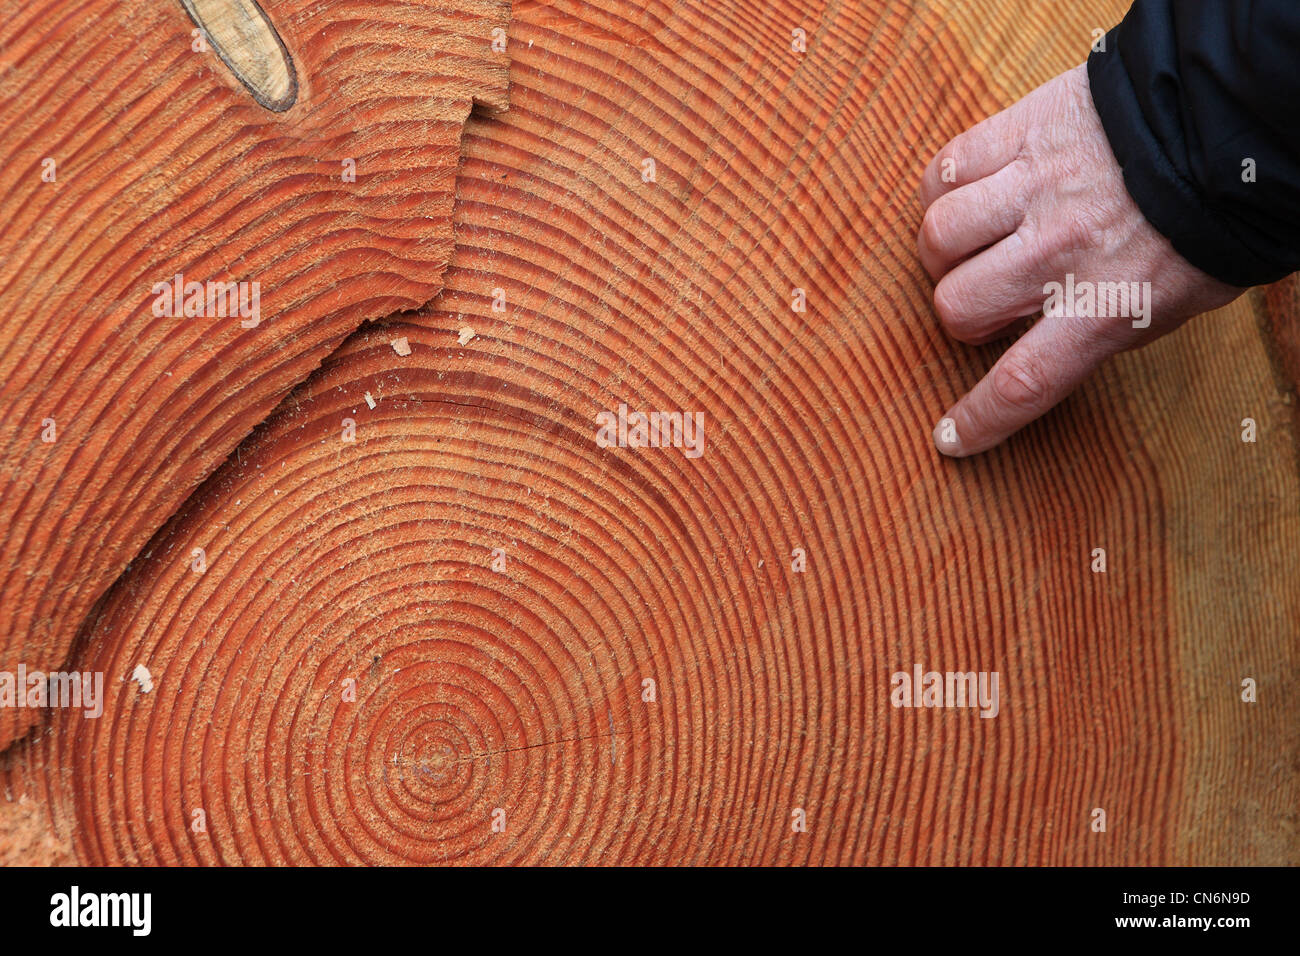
point(1039, 370)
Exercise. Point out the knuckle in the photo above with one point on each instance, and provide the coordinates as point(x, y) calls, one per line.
point(1019, 382)
point(965, 314)
point(945, 168)
point(949, 306)
point(932, 182)
point(934, 228)
point(948, 155)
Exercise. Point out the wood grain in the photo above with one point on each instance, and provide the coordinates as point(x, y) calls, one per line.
point(134, 155)
point(499, 587)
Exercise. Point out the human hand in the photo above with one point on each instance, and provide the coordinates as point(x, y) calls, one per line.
point(1028, 197)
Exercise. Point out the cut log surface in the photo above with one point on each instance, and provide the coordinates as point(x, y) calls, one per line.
point(435, 619)
point(303, 199)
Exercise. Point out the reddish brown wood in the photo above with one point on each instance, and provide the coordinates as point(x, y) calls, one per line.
point(131, 157)
point(519, 686)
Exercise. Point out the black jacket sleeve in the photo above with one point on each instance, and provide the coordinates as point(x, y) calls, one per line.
point(1199, 98)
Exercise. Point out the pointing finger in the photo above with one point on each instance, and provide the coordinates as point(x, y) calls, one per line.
point(1040, 369)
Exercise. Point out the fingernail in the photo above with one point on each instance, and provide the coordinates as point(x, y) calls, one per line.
point(945, 437)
